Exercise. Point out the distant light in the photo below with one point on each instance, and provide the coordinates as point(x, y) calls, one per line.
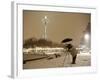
point(86, 36)
point(45, 17)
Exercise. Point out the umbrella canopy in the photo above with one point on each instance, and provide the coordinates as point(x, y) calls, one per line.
point(66, 40)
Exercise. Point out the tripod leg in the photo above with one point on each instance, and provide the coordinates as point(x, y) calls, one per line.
point(65, 58)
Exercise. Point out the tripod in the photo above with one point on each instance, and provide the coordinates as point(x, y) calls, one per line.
point(68, 57)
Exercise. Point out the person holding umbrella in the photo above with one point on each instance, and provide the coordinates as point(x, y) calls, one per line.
point(71, 49)
point(73, 52)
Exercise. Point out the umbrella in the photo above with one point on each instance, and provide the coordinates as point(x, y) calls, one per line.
point(66, 40)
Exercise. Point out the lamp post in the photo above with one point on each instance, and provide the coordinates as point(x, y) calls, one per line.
point(45, 22)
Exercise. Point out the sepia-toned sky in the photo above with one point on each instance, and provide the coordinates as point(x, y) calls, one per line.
point(60, 25)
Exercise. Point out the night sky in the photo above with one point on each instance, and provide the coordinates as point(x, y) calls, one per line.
point(60, 25)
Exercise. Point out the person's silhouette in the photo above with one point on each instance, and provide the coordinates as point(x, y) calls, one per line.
point(73, 52)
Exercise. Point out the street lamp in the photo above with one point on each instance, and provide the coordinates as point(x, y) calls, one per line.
point(45, 22)
point(86, 36)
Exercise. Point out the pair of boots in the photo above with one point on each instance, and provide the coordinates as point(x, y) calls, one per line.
point(74, 60)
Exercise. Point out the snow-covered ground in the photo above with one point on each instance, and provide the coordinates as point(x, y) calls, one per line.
point(83, 59)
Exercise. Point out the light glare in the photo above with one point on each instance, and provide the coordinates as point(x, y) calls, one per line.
point(86, 36)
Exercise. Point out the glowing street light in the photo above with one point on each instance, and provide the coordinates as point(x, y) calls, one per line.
point(86, 36)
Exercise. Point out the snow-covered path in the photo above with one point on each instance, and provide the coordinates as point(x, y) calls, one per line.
point(83, 59)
